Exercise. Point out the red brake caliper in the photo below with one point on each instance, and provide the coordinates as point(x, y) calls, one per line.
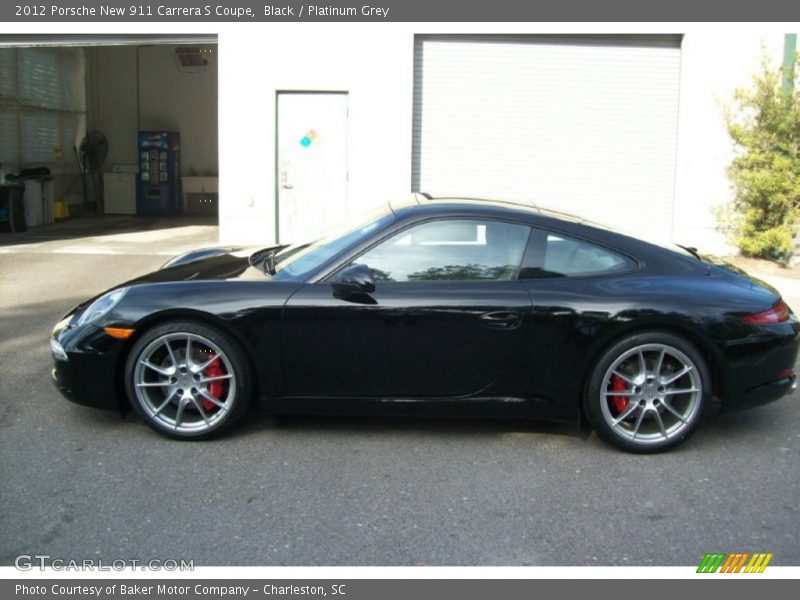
point(215, 388)
point(620, 403)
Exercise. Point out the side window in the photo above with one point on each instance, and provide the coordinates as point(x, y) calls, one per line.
point(449, 250)
point(564, 256)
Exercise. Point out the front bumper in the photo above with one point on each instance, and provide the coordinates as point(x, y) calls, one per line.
point(89, 375)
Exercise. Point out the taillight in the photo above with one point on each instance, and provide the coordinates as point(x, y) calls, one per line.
point(777, 314)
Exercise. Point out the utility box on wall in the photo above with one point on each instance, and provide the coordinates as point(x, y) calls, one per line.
point(158, 183)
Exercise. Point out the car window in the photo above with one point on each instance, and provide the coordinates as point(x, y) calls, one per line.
point(294, 262)
point(449, 250)
point(565, 256)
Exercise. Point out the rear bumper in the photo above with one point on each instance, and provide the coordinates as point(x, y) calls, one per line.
point(762, 394)
point(762, 370)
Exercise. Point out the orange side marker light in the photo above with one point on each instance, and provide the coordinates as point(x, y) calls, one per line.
point(121, 333)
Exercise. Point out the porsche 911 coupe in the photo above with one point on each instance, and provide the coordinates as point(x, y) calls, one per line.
point(447, 307)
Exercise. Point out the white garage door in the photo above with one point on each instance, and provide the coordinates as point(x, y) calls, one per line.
point(579, 125)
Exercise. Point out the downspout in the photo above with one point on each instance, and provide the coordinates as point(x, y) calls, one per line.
point(789, 61)
point(138, 100)
point(787, 83)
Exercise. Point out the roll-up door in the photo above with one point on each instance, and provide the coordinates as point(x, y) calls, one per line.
point(580, 124)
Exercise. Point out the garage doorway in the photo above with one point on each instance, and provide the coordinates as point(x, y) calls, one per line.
point(119, 86)
point(311, 162)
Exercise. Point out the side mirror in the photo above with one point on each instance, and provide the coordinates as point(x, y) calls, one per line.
point(356, 279)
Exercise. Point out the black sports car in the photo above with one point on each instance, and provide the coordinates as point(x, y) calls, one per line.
point(449, 307)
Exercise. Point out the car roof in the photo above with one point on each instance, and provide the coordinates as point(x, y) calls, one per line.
point(540, 216)
point(466, 204)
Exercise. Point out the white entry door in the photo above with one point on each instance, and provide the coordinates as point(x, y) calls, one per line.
point(312, 163)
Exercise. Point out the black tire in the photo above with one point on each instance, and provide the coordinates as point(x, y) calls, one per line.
point(207, 342)
point(650, 414)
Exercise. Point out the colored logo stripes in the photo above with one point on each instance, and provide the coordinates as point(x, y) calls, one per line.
point(734, 562)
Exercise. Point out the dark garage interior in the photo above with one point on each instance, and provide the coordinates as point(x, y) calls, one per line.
point(101, 134)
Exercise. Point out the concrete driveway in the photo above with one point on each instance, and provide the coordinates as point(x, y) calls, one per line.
point(80, 483)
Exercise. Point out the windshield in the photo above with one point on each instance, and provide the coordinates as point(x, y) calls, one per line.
point(295, 261)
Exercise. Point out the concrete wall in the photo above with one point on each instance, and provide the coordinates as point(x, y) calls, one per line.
point(712, 67)
point(164, 98)
point(376, 68)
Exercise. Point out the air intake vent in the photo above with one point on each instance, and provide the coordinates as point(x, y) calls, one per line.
point(190, 59)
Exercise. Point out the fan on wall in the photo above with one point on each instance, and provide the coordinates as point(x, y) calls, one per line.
point(92, 153)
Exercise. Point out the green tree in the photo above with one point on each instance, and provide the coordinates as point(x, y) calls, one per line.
point(765, 127)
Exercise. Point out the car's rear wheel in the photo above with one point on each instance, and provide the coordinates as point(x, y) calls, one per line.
point(647, 392)
point(188, 380)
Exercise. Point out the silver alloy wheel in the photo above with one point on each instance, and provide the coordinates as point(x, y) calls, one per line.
point(185, 383)
point(651, 394)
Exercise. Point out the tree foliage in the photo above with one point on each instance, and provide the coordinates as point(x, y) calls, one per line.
point(765, 127)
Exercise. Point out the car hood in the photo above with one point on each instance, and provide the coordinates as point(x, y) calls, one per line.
point(206, 264)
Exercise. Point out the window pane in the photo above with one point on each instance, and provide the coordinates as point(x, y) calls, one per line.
point(42, 106)
point(39, 81)
point(39, 136)
point(9, 137)
point(73, 79)
point(566, 256)
point(454, 250)
point(8, 72)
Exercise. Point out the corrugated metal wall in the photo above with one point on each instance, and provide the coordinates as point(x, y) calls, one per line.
point(111, 94)
point(167, 98)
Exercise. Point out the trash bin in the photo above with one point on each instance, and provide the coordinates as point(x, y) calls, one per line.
point(12, 207)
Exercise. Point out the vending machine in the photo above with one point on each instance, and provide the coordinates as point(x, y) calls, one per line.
point(159, 180)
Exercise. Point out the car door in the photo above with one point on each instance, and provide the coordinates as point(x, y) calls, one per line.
point(444, 320)
point(572, 285)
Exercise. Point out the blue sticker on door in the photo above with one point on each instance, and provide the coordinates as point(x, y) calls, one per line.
point(308, 138)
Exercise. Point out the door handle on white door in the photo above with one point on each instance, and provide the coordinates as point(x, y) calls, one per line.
point(287, 186)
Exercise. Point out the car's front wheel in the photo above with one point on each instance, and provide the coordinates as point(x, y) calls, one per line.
point(647, 392)
point(188, 380)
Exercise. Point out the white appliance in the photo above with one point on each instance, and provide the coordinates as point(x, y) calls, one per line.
point(120, 193)
point(38, 203)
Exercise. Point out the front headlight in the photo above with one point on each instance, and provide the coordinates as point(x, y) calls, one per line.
point(58, 350)
point(102, 305)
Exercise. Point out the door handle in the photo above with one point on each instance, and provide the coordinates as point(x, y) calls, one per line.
point(285, 179)
point(501, 319)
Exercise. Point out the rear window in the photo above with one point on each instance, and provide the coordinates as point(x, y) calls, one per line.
point(564, 256)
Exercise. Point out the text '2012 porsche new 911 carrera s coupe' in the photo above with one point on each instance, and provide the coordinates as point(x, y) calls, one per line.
point(445, 307)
